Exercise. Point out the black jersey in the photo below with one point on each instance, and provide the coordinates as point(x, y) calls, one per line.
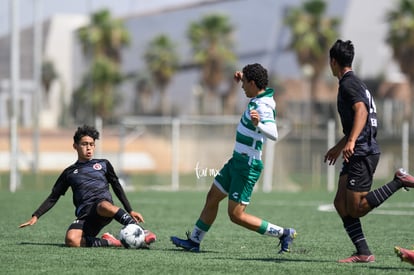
point(352, 90)
point(89, 182)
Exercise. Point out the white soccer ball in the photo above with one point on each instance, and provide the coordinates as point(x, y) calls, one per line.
point(132, 236)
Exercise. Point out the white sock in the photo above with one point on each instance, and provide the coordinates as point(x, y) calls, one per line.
point(197, 235)
point(273, 230)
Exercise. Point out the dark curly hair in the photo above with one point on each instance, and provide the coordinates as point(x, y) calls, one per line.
point(343, 52)
point(85, 130)
point(257, 73)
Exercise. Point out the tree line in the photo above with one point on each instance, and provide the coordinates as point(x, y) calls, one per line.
point(211, 39)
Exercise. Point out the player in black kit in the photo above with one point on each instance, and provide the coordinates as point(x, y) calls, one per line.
point(360, 152)
point(89, 180)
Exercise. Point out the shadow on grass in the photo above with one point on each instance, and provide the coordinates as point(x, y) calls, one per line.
point(44, 244)
point(285, 260)
point(201, 252)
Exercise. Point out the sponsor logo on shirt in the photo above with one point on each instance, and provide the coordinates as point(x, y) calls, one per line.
point(97, 166)
point(235, 195)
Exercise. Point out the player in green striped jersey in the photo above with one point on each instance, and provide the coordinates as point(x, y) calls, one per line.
point(238, 176)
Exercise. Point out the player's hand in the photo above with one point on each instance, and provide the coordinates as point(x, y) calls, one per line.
point(238, 76)
point(332, 155)
point(348, 150)
point(137, 216)
point(255, 117)
point(32, 221)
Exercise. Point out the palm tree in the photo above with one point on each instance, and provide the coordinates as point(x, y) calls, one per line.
point(97, 91)
point(104, 36)
point(211, 40)
point(400, 37)
point(102, 41)
point(312, 35)
point(162, 61)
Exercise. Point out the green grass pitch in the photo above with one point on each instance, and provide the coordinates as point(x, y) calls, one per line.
point(227, 248)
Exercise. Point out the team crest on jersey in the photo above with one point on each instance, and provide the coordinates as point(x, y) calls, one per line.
point(235, 195)
point(97, 166)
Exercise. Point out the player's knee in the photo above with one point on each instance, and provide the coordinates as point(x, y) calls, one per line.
point(235, 218)
point(72, 242)
point(339, 205)
point(73, 238)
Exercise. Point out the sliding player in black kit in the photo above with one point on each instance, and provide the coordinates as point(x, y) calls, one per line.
point(89, 180)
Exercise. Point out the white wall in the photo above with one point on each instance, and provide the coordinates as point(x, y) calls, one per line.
point(59, 49)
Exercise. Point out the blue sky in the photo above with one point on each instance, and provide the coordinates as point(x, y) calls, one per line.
point(50, 7)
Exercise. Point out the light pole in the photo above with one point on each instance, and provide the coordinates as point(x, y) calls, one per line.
point(14, 95)
point(37, 94)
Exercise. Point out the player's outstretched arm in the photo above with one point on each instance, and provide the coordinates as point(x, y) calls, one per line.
point(32, 221)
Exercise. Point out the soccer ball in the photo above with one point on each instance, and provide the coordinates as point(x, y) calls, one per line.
point(132, 236)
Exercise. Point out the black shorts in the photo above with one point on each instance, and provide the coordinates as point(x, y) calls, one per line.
point(360, 171)
point(91, 223)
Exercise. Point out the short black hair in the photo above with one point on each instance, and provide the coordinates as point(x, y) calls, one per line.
point(85, 130)
point(257, 73)
point(343, 52)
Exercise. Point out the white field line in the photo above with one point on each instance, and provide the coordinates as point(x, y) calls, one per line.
point(385, 209)
point(380, 211)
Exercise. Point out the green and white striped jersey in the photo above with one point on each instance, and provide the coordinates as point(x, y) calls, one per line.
point(249, 138)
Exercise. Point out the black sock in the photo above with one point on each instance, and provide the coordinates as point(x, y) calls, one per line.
point(354, 229)
point(123, 217)
point(95, 242)
point(376, 197)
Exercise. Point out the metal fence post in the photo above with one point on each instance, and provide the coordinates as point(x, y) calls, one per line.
point(268, 166)
point(175, 174)
point(405, 145)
